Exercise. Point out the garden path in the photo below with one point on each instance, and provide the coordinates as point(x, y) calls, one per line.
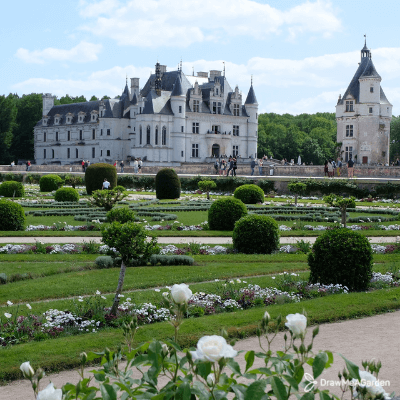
point(360, 339)
point(172, 240)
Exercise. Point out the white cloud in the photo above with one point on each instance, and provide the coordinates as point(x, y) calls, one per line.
point(179, 23)
point(81, 53)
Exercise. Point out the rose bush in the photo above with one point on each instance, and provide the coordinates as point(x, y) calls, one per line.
point(213, 348)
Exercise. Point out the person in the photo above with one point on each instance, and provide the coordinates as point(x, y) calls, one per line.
point(234, 168)
point(397, 162)
point(333, 167)
point(83, 165)
point(224, 167)
point(216, 167)
point(252, 166)
point(350, 168)
point(115, 164)
point(135, 166)
point(221, 167)
point(121, 164)
point(230, 163)
point(140, 165)
point(87, 163)
point(260, 164)
point(28, 165)
point(12, 164)
point(339, 166)
point(106, 184)
point(329, 168)
point(326, 171)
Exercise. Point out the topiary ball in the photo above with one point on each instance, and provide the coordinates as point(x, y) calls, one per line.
point(66, 194)
point(95, 174)
point(249, 194)
point(168, 185)
point(50, 182)
point(341, 256)
point(256, 234)
point(12, 189)
point(121, 214)
point(12, 216)
point(223, 214)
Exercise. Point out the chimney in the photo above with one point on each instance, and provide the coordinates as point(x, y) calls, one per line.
point(135, 86)
point(48, 102)
point(202, 74)
point(213, 74)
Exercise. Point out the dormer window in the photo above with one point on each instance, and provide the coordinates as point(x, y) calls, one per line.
point(236, 110)
point(196, 105)
point(45, 120)
point(69, 118)
point(216, 108)
point(349, 105)
point(56, 121)
point(81, 116)
point(216, 91)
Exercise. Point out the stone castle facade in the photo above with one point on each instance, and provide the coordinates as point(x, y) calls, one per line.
point(363, 116)
point(174, 118)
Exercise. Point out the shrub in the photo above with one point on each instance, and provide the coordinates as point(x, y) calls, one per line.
point(12, 189)
point(107, 198)
point(267, 186)
point(95, 174)
point(341, 256)
point(171, 260)
point(256, 234)
point(12, 216)
point(66, 194)
point(103, 262)
point(297, 188)
point(249, 194)
point(168, 185)
point(48, 183)
point(73, 180)
point(223, 214)
point(121, 214)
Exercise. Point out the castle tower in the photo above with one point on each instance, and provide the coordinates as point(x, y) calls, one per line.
point(363, 116)
point(251, 106)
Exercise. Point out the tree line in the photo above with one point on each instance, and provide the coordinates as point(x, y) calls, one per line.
point(312, 136)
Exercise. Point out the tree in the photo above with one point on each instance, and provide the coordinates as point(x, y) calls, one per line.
point(342, 203)
point(8, 114)
point(93, 98)
point(297, 188)
point(206, 186)
point(107, 198)
point(130, 240)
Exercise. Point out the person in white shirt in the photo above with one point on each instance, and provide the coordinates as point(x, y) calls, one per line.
point(135, 166)
point(140, 165)
point(106, 184)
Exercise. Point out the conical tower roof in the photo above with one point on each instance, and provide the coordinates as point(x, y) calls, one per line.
point(251, 96)
point(177, 90)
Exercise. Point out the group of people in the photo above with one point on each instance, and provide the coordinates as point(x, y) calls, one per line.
point(85, 164)
point(257, 162)
point(331, 166)
point(223, 167)
point(137, 165)
point(121, 165)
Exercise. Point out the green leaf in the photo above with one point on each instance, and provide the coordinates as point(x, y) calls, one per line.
point(278, 388)
point(353, 369)
point(234, 366)
point(256, 390)
point(324, 396)
point(183, 392)
point(203, 369)
point(319, 363)
point(108, 392)
point(100, 376)
point(249, 357)
point(239, 391)
point(308, 396)
point(330, 359)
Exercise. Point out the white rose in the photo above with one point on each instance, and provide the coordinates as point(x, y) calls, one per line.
point(50, 393)
point(213, 348)
point(210, 380)
point(369, 382)
point(297, 324)
point(164, 349)
point(26, 369)
point(181, 293)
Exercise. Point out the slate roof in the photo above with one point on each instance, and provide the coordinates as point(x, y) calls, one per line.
point(177, 90)
point(155, 104)
point(167, 82)
point(365, 69)
point(251, 96)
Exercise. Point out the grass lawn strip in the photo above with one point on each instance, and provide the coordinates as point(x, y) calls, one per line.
point(63, 353)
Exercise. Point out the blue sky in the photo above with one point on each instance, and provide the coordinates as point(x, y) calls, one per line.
point(302, 54)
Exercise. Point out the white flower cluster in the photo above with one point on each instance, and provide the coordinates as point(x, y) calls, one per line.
point(66, 248)
point(385, 278)
point(105, 249)
point(13, 248)
point(269, 294)
point(171, 249)
point(331, 289)
point(212, 300)
point(61, 319)
point(377, 248)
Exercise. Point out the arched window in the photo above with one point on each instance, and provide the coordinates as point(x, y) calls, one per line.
point(164, 136)
point(140, 134)
point(156, 136)
point(148, 134)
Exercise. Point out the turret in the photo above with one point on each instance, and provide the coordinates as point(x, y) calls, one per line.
point(251, 106)
point(178, 105)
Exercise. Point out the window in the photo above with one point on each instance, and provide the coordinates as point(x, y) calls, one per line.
point(44, 153)
point(101, 153)
point(56, 136)
point(148, 135)
point(80, 119)
point(196, 106)
point(348, 153)
point(52, 153)
point(80, 135)
point(195, 127)
point(235, 130)
point(216, 129)
point(69, 135)
point(180, 109)
point(235, 151)
point(182, 128)
point(349, 105)
point(76, 153)
point(140, 134)
point(108, 153)
point(101, 132)
point(236, 110)
point(93, 134)
point(216, 107)
point(156, 136)
point(349, 130)
point(108, 132)
point(195, 150)
point(383, 153)
point(44, 137)
point(216, 91)
point(93, 152)
point(164, 136)
point(371, 110)
point(68, 153)
point(182, 153)
point(371, 89)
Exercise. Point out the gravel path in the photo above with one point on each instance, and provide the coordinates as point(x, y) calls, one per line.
point(361, 339)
